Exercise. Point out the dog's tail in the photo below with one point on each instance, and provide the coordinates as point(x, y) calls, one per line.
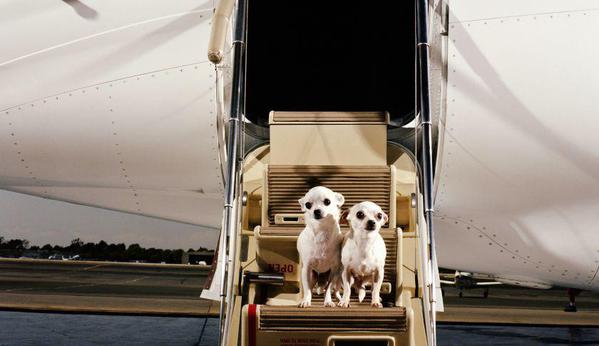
point(361, 293)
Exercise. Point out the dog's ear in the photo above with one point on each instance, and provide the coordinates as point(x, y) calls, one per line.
point(343, 219)
point(340, 199)
point(385, 218)
point(302, 204)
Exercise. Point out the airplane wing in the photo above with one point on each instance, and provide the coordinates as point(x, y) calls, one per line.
point(447, 282)
point(489, 283)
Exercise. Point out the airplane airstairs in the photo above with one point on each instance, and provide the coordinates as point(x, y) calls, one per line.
point(347, 152)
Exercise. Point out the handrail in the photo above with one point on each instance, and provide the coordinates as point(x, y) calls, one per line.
point(218, 32)
point(231, 215)
point(423, 100)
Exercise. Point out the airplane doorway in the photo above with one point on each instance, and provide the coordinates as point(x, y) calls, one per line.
point(330, 56)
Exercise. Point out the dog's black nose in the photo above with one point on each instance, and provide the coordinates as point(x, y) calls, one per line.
point(370, 225)
point(317, 214)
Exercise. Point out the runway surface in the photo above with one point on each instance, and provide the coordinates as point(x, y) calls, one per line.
point(515, 305)
point(103, 287)
point(174, 290)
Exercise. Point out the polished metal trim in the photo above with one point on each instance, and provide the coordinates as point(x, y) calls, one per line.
point(235, 145)
point(424, 110)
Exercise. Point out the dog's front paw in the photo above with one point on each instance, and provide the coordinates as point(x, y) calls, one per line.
point(344, 304)
point(304, 303)
point(329, 304)
point(376, 304)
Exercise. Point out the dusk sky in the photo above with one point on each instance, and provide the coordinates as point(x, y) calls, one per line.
point(43, 221)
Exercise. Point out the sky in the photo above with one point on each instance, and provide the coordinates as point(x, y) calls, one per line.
point(43, 221)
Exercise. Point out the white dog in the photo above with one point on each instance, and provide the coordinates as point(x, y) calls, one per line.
point(363, 253)
point(319, 244)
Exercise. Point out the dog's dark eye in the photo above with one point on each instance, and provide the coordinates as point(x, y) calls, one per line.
point(379, 216)
point(308, 205)
point(327, 201)
point(360, 215)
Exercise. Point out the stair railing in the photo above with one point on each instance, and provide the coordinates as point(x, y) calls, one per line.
point(426, 126)
point(233, 174)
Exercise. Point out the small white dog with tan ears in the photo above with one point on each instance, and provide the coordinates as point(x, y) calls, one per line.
point(363, 253)
point(319, 244)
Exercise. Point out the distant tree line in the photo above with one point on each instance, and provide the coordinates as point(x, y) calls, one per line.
point(100, 251)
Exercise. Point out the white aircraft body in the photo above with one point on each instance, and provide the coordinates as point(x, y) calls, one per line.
point(111, 104)
point(114, 104)
point(518, 170)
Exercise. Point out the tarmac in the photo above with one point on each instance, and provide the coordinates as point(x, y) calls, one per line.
point(173, 290)
point(104, 288)
point(516, 305)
